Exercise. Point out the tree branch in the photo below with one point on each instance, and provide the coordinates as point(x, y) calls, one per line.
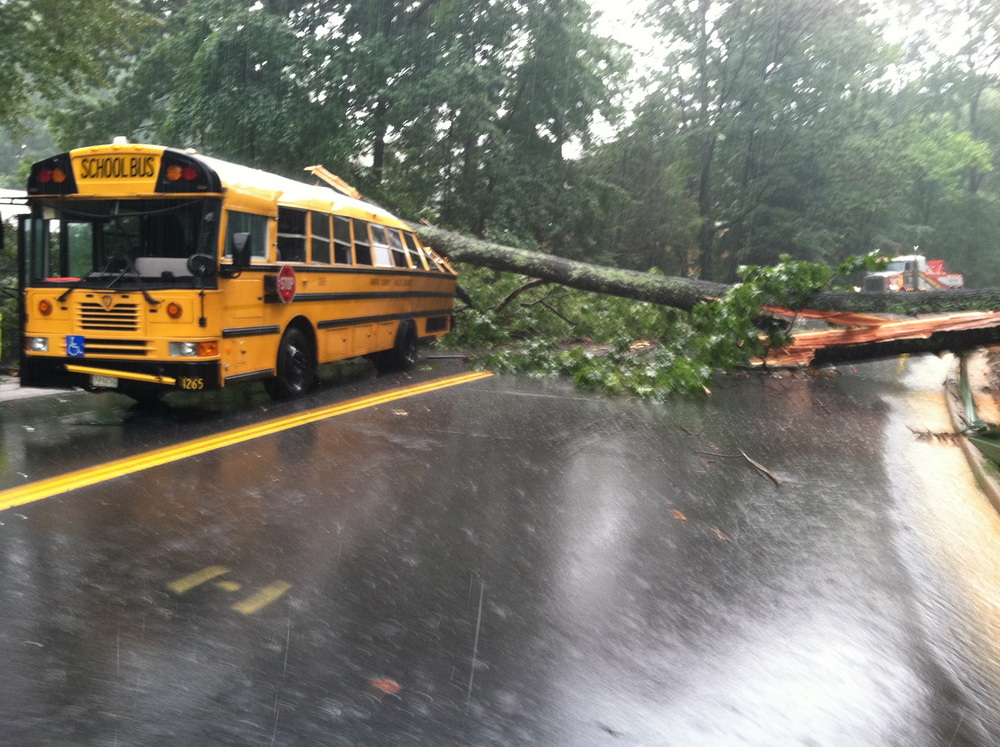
point(514, 294)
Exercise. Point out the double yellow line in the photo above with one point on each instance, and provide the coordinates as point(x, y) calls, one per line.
point(36, 491)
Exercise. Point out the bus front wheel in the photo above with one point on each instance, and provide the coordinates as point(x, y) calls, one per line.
point(296, 366)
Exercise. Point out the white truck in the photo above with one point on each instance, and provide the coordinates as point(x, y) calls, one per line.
point(913, 272)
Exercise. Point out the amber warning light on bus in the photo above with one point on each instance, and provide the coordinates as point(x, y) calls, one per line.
point(53, 176)
point(180, 172)
point(56, 175)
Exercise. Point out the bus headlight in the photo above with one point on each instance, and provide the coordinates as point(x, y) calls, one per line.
point(183, 349)
point(194, 349)
point(36, 344)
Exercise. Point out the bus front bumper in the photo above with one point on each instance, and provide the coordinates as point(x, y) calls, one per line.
point(101, 373)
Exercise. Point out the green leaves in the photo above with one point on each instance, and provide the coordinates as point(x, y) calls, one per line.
point(49, 49)
point(619, 346)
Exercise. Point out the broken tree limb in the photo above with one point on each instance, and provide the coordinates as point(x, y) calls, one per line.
point(683, 293)
point(535, 283)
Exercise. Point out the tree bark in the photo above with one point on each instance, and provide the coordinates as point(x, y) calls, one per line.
point(680, 293)
point(684, 293)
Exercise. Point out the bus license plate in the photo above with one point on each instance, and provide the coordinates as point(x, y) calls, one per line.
point(104, 382)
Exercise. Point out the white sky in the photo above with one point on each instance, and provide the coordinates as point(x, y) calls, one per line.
point(621, 19)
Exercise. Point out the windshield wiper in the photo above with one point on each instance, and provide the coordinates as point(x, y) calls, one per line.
point(78, 283)
point(130, 269)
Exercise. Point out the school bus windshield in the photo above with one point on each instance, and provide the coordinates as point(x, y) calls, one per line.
point(95, 242)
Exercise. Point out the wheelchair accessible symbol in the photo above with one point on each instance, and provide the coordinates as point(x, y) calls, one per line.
point(74, 346)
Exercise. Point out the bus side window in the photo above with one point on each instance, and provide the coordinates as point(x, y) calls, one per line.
point(341, 240)
point(419, 258)
point(255, 225)
point(320, 233)
point(362, 248)
point(396, 244)
point(432, 263)
point(291, 235)
point(380, 246)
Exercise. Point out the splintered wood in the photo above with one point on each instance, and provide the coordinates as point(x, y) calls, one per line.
point(859, 329)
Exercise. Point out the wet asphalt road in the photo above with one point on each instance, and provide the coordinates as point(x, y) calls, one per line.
point(507, 562)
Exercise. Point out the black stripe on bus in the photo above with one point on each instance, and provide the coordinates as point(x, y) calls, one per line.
point(334, 323)
point(271, 329)
point(352, 270)
point(272, 297)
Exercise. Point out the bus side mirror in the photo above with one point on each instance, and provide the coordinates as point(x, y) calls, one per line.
point(242, 250)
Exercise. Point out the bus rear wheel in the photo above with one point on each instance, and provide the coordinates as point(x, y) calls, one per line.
point(296, 366)
point(403, 355)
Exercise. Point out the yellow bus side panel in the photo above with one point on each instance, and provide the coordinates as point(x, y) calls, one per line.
point(385, 335)
point(244, 298)
point(335, 344)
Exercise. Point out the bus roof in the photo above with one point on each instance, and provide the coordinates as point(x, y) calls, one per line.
point(290, 191)
point(120, 167)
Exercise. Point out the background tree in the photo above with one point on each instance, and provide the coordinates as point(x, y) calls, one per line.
point(647, 217)
point(48, 50)
point(228, 81)
point(954, 60)
point(765, 90)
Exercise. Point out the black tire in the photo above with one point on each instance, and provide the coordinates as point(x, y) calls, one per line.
point(296, 366)
point(403, 355)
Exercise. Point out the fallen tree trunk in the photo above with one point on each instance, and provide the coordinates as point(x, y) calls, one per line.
point(679, 293)
point(683, 293)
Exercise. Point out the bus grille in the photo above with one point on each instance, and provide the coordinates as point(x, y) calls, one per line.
point(116, 347)
point(121, 318)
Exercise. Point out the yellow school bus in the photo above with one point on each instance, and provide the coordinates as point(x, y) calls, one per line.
point(146, 269)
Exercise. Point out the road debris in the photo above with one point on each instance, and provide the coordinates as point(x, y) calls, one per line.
point(762, 469)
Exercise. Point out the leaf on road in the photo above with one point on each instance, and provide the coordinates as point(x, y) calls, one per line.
point(678, 515)
point(722, 537)
point(390, 687)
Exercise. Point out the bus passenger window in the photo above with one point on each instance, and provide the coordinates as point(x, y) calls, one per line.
point(341, 240)
point(320, 237)
point(396, 244)
point(291, 235)
point(432, 263)
point(255, 225)
point(362, 249)
point(420, 260)
point(380, 247)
